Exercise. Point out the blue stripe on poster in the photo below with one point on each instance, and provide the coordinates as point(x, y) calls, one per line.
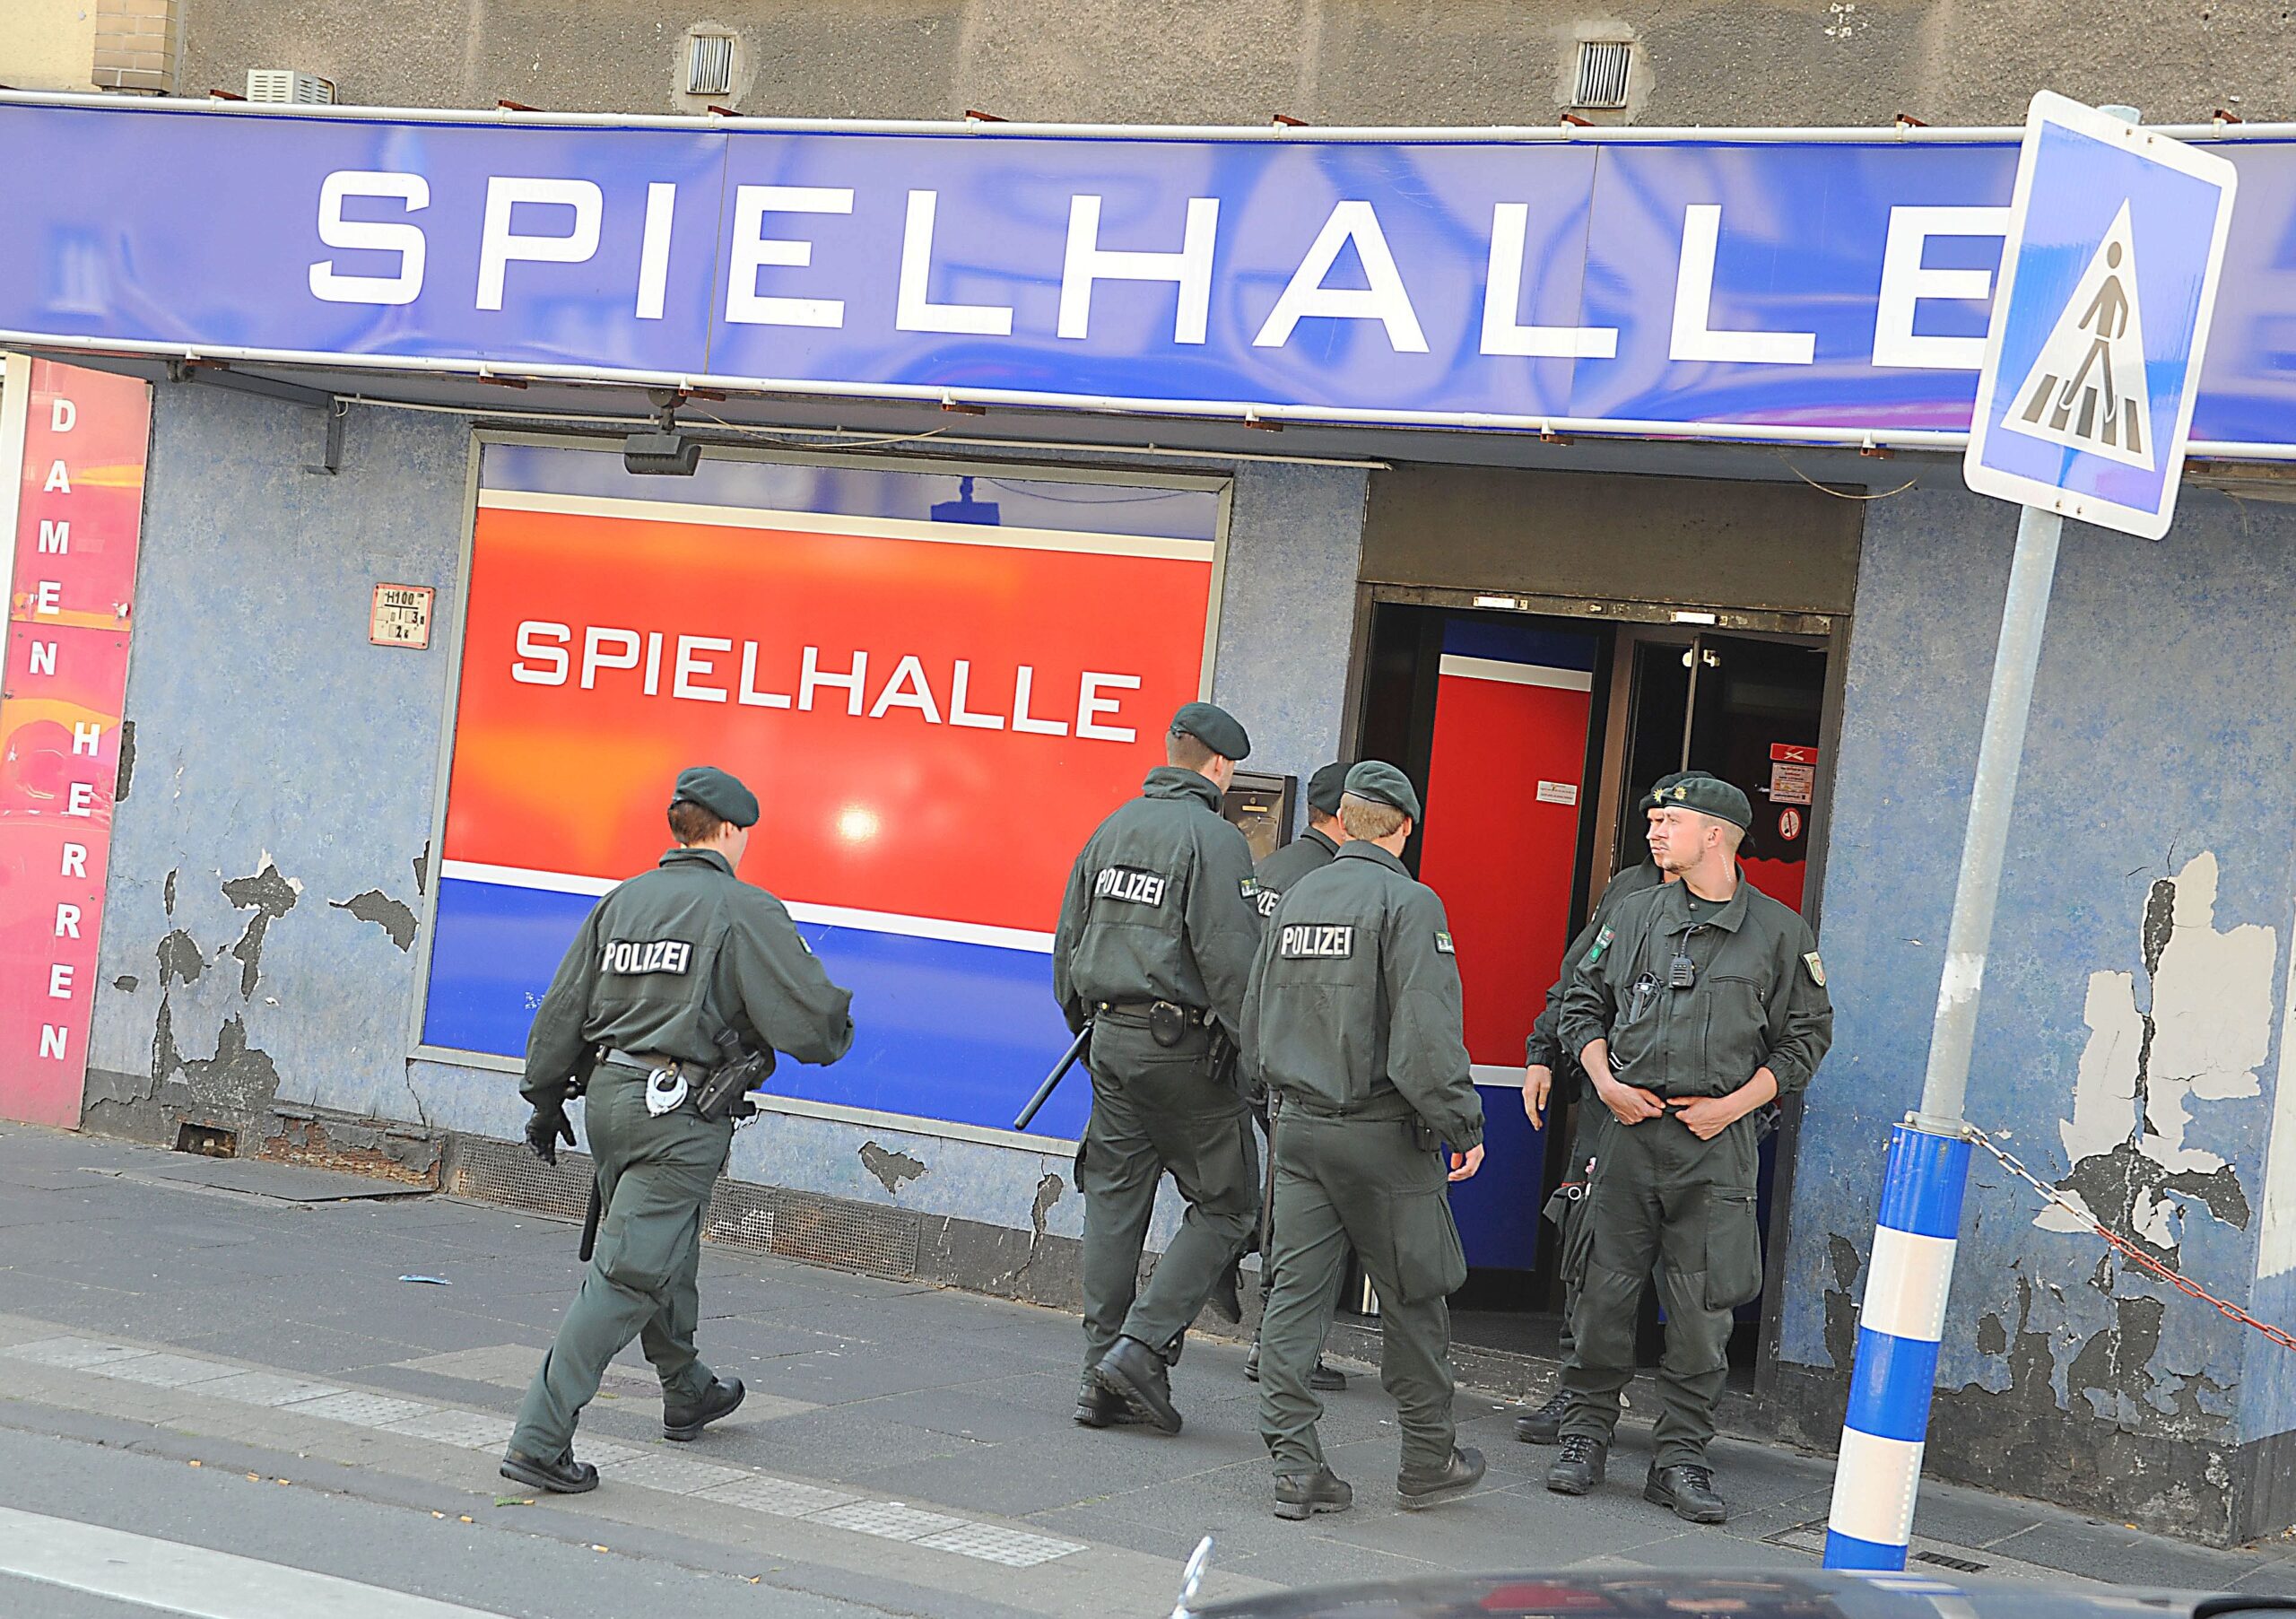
point(953, 1032)
point(1514, 643)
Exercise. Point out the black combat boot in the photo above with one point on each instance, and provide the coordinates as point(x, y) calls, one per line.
point(1545, 1425)
point(1580, 1465)
point(1416, 1489)
point(1688, 1489)
point(1303, 1494)
point(1138, 1376)
point(1096, 1407)
point(564, 1476)
point(1321, 1377)
point(685, 1422)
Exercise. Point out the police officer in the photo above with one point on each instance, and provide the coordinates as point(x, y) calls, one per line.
point(1353, 1024)
point(1543, 1056)
point(1696, 1006)
point(1154, 946)
point(1312, 851)
point(662, 965)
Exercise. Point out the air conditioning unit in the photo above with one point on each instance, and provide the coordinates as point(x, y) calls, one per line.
point(290, 86)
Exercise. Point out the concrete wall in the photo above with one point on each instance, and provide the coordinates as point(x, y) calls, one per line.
point(1239, 61)
point(2131, 1034)
point(260, 952)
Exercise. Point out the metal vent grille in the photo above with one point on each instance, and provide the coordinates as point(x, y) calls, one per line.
point(849, 1236)
point(286, 85)
point(502, 1171)
point(761, 1220)
point(740, 1216)
point(1603, 68)
point(709, 65)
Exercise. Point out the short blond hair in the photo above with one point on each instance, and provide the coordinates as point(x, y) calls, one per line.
point(1368, 818)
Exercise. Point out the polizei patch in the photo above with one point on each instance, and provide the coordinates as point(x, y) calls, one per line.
point(1129, 883)
point(646, 955)
point(1317, 941)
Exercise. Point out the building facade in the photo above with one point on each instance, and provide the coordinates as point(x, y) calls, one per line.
point(315, 936)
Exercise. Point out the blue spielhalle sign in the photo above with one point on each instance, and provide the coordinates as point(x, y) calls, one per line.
point(2116, 240)
point(1827, 290)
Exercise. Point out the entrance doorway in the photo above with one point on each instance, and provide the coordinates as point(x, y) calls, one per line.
point(1531, 737)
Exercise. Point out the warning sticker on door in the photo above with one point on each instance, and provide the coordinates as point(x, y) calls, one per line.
point(2086, 389)
point(1558, 792)
point(1792, 783)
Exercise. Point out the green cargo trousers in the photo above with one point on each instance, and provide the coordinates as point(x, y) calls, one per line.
point(1155, 1109)
point(653, 1177)
point(1367, 1182)
point(1586, 1142)
point(1664, 1200)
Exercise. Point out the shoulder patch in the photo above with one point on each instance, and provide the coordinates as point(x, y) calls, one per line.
point(1316, 941)
point(1817, 969)
point(1595, 951)
point(1443, 944)
point(1131, 884)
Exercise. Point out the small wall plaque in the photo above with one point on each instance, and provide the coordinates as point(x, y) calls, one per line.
point(402, 616)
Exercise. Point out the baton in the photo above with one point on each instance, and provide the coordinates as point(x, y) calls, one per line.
point(1052, 1079)
point(590, 1219)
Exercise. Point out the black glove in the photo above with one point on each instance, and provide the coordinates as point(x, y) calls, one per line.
point(544, 1129)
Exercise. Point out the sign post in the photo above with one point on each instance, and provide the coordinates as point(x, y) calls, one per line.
point(2093, 366)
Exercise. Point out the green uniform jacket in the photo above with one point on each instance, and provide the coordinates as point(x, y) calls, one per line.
point(1312, 850)
point(1355, 1006)
point(1544, 1046)
point(1160, 905)
point(668, 960)
point(1759, 999)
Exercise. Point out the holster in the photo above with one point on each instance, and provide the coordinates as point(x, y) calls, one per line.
point(723, 1091)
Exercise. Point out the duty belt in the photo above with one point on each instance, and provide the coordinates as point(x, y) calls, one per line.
point(646, 1064)
point(1196, 1015)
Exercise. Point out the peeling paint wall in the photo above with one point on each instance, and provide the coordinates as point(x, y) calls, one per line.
point(258, 944)
point(2137, 981)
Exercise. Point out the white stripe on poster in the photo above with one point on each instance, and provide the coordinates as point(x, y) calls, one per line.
point(821, 916)
point(1516, 675)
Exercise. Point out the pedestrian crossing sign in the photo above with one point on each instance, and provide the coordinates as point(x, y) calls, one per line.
point(2092, 360)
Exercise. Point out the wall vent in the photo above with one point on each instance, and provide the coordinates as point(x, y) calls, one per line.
point(288, 86)
point(709, 65)
point(1603, 68)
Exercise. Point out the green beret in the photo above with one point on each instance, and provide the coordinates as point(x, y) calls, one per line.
point(1325, 785)
point(1215, 728)
point(1709, 797)
point(1650, 799)
point(722, 794)
point(1379, 782)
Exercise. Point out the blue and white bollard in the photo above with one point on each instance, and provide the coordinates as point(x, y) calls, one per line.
point(1879, 1469)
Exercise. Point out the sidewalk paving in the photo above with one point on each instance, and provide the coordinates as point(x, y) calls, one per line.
point(877, 1392)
